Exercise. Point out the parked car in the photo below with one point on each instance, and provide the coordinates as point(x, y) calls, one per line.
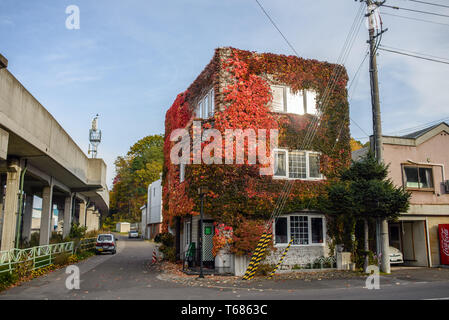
point(396, 256)
point(106, 243)
point(133, 234)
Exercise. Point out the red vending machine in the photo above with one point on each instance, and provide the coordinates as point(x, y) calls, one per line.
point(443, 232)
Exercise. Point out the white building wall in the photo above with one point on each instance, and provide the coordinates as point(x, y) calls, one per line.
point(155, 202)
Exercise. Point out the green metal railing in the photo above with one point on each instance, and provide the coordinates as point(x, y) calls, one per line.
point(41, 256)
point(86, 244)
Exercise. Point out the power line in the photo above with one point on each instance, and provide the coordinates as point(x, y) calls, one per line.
point(414, 56)
point(429, 3)
point(416, 19)
point(414, 10)
point(414, 52)
point(353, 86)
point(355, 28)
point(419, 127)
point(280, 32)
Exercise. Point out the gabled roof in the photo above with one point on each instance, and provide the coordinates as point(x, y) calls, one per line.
point(421, 132)
point(417, 137)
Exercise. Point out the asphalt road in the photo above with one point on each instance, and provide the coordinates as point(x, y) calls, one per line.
point(126, 276)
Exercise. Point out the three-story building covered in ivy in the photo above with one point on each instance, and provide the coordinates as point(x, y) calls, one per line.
point(300, 102)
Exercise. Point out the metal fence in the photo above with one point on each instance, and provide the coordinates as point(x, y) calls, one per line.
point(319, 263)
point(41, 256)
point(86, 244)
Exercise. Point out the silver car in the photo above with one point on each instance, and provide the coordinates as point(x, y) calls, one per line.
point(133, 234)
point(106, 243)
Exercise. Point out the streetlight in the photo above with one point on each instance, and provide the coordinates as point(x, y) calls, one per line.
point(202, 192)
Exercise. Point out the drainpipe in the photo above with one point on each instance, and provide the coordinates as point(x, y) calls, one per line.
point(429, 252)
point(19, 213)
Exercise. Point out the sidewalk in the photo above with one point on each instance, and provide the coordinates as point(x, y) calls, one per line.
point(300, 280)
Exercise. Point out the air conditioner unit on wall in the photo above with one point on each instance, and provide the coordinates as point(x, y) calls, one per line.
point(446, 186)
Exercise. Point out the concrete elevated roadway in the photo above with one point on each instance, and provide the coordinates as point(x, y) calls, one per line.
point(39, 158)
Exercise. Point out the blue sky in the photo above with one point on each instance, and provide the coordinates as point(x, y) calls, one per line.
point(130, 59)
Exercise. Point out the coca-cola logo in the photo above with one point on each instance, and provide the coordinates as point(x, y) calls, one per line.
point(445, 241)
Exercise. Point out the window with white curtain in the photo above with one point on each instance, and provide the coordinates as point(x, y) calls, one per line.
point(287, 101)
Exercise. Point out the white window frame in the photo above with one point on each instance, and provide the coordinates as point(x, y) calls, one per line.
point(182, 172)
point(205, 107)
point(287, 176)
point(286, 162)
point(211, 109)
point(309, 226)
point(284, 98)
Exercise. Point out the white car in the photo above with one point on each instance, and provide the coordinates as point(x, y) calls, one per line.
point(133, 234)
point(396, 256)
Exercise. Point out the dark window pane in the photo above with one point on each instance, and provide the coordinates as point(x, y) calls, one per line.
point(317, 230)
point(394, 233)
point(281, 230)
point(411, 175)
point(425, 177)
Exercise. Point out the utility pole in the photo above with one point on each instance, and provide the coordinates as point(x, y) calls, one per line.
point(377, 125)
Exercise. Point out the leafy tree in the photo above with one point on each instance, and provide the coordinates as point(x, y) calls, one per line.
point(362, 194)
point(141, 166)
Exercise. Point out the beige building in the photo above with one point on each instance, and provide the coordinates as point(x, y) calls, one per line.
point(418, 162)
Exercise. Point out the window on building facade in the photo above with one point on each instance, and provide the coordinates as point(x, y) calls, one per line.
point(285, 100)
point(281, 231)
point(314, 165)
point(182, 172)
point(211, 102)
point(302, 229)
point(317, 230)
point(280, 163)
point(296, 164)
point(206, 105)
point(418, 177)
point(278, 103)
point(299, 229)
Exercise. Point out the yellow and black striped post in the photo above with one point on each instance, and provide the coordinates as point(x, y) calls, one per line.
point(257, 256)
point(280, 261)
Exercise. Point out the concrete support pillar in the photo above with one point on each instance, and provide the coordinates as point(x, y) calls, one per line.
point(93, 220)
point(82, 219)
point(2, 188)
point(89, 219)
point(67, 216)
point(27, 218)
point(11, 206)
point(46, 215)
